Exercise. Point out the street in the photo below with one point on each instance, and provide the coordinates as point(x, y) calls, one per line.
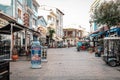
point(65, 64)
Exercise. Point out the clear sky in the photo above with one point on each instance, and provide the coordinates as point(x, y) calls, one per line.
point(76, 11)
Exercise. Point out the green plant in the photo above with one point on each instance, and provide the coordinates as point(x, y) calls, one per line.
point(108, 13)
point(51, 32)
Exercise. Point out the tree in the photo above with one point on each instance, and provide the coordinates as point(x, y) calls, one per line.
point(51, 32)
point(108, 13)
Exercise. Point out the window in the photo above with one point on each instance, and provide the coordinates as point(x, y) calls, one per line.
point(49, 17)
point(34, 7)
point(57, 22)
point(21, 1)
point(34, 22)
point(19, 13)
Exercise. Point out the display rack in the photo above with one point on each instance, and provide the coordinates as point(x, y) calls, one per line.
point(112, 50)
point(4, 50)
point(4, 56)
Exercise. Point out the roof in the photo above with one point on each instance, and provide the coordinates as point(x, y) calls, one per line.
point(112, 38)
point(7, 29)
point(60, 11)
point(73, 26)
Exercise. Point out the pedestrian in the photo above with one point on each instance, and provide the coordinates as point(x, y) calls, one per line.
point(68, 44)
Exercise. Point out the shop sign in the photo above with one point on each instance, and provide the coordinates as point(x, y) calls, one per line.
point(3, 22)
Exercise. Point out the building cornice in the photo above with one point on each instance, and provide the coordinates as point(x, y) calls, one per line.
point(36, 3)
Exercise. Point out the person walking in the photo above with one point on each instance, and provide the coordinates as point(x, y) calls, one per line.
point(68, 44)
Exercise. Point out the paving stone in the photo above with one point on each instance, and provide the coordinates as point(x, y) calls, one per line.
point(65, 64)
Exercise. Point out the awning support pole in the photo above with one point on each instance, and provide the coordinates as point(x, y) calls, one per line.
point(11, 47)
point(25, 39)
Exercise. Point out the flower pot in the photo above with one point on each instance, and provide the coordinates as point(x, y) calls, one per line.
point(14, 57)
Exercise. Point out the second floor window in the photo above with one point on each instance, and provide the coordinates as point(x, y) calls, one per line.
point(49, 18)
point(34, 22)
point(19, 13)
point(21, 1)
point(34, 7)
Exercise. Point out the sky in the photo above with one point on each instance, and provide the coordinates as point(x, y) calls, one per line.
point(76, 11)
point(5, 2)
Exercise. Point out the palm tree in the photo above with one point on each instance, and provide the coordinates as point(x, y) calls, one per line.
point(51, 32)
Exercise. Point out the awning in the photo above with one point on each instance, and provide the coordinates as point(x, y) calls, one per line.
point(117, 30)
point(97, 34)
point(93, 35)
point(114, 29)
point(101, 33)
point(7, 29)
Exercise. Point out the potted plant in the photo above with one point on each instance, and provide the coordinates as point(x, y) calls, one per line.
point(14, 54)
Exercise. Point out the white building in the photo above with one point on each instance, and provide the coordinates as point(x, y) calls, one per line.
point(54, 19)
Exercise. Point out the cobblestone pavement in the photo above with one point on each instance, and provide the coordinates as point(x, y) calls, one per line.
point(65, 64)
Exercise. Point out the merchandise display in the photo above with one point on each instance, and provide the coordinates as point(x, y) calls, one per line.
point(4, 55)
point(112, 51)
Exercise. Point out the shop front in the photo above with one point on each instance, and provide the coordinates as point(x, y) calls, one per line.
point(115, 32)
point(9, 27)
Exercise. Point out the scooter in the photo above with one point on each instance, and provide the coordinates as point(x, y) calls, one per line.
point(78, 48)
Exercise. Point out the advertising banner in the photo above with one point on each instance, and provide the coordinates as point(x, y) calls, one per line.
point(36, 56)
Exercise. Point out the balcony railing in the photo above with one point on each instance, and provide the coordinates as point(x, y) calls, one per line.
point(20, 21)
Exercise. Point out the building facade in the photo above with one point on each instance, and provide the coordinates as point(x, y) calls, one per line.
point(54, 18)
point(26, 13)
point(98, 32)
point(72, 34)
point(42, 28)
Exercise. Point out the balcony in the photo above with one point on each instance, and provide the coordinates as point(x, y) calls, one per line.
point(29, 9)
point(51, 22)
point(35, 13)
point(20, 21)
